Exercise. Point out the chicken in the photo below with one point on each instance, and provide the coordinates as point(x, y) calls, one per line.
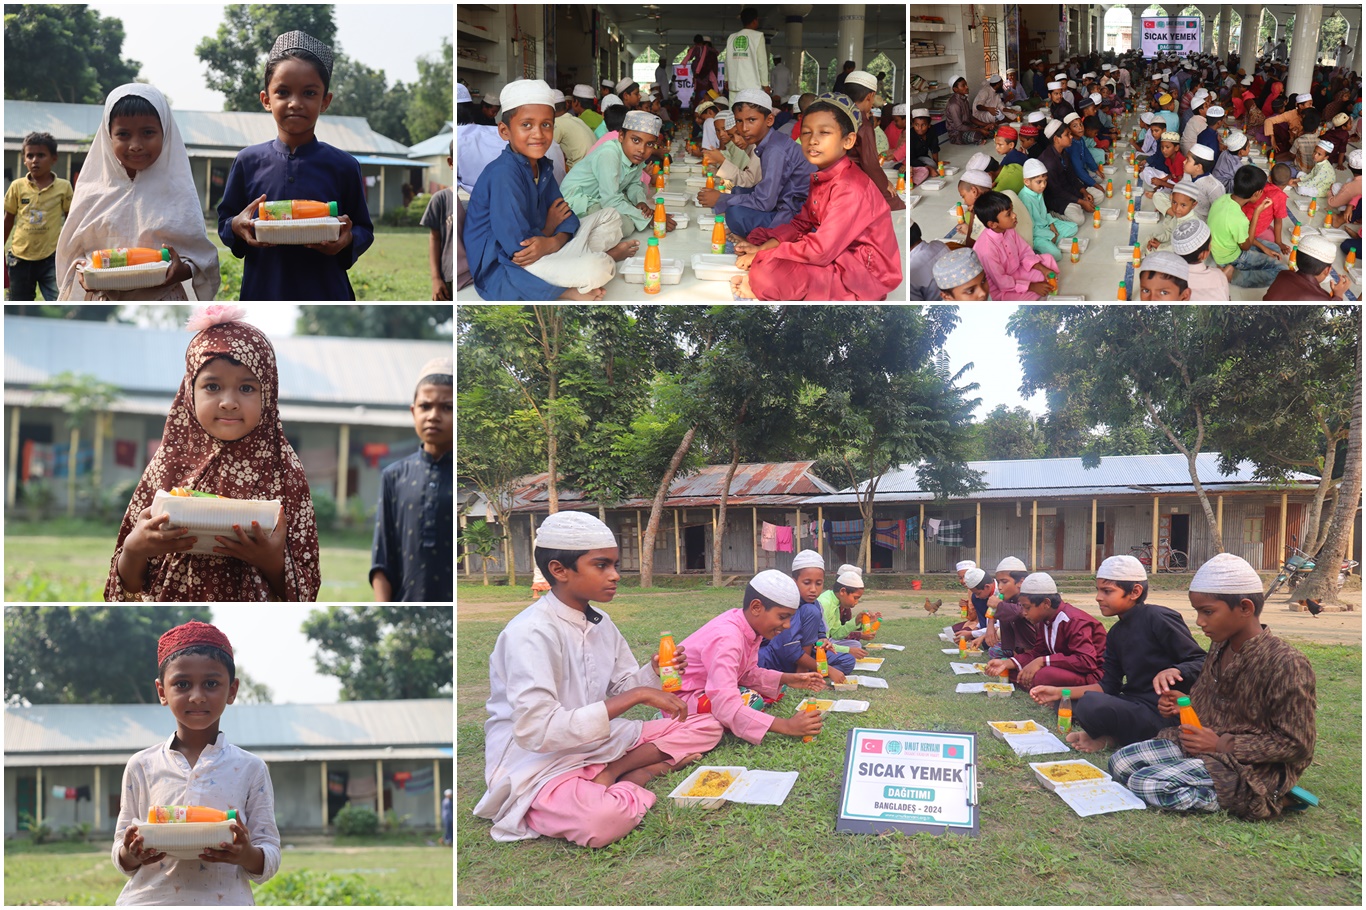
point(932, 606)
point(1314, 607)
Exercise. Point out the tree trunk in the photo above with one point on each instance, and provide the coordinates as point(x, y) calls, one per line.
point(552, 451)
point(647, 544)
point(1322, 584)
point(1315, 529)
point(721, 513)
point(1210, 518)
point(508, 559)
point(484, 567)
point(1191, 453)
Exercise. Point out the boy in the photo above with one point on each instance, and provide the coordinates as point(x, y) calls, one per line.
point(1014, 271)
point(1164, 277)
point(860, 88)
point(1011, 631)
point(1255, 702)
point(559, 759)
point(1070, 646)
point(1050, 233)
point(1148, 650)
point(1312, 263)
point(920, 262)
point(1198, 165)
point(733, 162)
point(608, 178)
point(1318, 181)
point(1231, 158)
point(1078, 156)
point(922, 146)
point(1230, 237)
point(40, 201)
point(1180, 204)
point(838, 605)
point(959, 276)
point(793, 650)
point(1165, 168)
point(197, 680)
point(786, 174)
point(437, 218)
point(1269, 225)
point(411, 558)
point(522, 239)
point(724, 658)
point(1190, 241)
point(981, 587)
point(1065, 193)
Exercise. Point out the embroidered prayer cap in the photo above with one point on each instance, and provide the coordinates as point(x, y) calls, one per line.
point(1011, 564)
point(1029, 129)
point(437, 366)
point(808, 559)
point(964, 565)
point(570, 530)
point(1055, 86)
point(976, 178)
point(1039, 583)
point(978, 162)
point(850, 580)
point(1034, 168)
point(584, 92)
point(1215, 112)
point(1067, 121)
point(306, 43)
point(1340, 120)
point(1354, 159)
point(643, 122)
point(1204, 152)
point(726, 119)
point(863, 78)
point(1166, 263)
point(1171, 136)
point(844, 103)
point(188, 635)
point(1095, 99)
point(899, 110)
point(1226, 574)
point(1007, 132)
point(1318, 247)
point(956, 267)
point(1052, 129)
point(1122, 568)
point(1189, 236)
point(778, 588)
point(1301, 99)
point(700, 109)
point(921, 112)
point(974, 576)
point(848, 567)
point(526, 91)
point(1325, 145)
point(1236, 140)
point(462, 94)
point(755, 96)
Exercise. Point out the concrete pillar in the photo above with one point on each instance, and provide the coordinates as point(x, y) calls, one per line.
point(849, 42)
point(1136, 29)
point(792, 22)
point(1251, 14)
point(1094, 542)
point(1206, 33)
point(1225, 23)
point(323, 770)
point(1304, 48)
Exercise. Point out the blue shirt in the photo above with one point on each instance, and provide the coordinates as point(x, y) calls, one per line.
point(313, 171)
point(782, 651)
point(493, 233)
point(785, 181)
point(414, 529)
point(1014, 156)
point(1079, 159)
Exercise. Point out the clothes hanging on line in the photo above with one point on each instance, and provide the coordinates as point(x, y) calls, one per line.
point(768, 537)
point(785, 539)
point(932, 528)
point(845, 533)
point(951, 533)
point(890, 535)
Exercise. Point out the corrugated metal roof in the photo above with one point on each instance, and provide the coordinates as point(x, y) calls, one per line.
point(769, 484)
point(440, 144)
point(124, 729)
point(313, 369)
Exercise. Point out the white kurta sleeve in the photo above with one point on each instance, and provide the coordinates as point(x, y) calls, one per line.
point(541, 723)
point(260, 823)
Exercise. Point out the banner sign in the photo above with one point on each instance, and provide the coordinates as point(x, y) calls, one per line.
point(1170, 35)
point(683, 83)
point(909, 781)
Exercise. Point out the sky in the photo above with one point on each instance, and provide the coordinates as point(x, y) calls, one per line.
point(981, 339)
point(282, 658)
point(388, 37)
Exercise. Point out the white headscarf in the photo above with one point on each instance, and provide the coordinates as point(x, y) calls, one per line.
point(161, 206)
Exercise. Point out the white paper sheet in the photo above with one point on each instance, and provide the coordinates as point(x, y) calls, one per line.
point(963, 669)
point(1098, 798)
point(1042, 742)
point(850, 706)
point(871, 682)
point(871, 664)
point(971, 688)
point(893, 647)
point(762, 788)
point(953, 651)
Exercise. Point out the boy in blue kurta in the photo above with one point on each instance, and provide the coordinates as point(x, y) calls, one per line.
point(295, 165)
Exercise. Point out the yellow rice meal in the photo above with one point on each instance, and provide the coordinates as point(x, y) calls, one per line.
point(1066, 774)
point(998, 687)
point(818, 704)
point(980, 668)
point(711, 783)
point(1011, 726)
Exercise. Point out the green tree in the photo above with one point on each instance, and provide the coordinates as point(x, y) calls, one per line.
point(80, 397)
point(237, 55)
point(1323, 583)
point(426, 322)
point(94, 313)
point(64, 53)
point(389, 119)
point(1010, 433)
point(431, 102)
point(480, 538)
point(384, 651)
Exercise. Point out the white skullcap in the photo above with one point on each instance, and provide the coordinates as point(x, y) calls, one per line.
point(1067, 121)
point(727, 120)
point(557, 96)
point(1088, 75)
point(1187, 188)
point(1226, 574)
point(1052, 129)
point(571, 530)
point(490, 98)
point(1147, 118)
point(847, 567)
point(1039, 583)
point(898, 110)
point(1011, 564)
point(1166, 263)
point(610, 100)
point(976, 178)
point(462, 94)
point(978, 162)
point(1236, 140)
point(1055, 86)
point(850, 580)
point(526, 91)
point(1096, 98)
point(1122, 568)
point(584, 91)
point(1061, 77)
point(1215, 112)
point(1199, 96)
point(1325, 145)
point(609, 83)
point(642, 121)
point(796, 100)
point(807, 559)
point(1318, 247)
point(974, 577)
point(1071, 83)
point(1203, 151)
point(1034, 168)
point(863, 78)
point(777, 587)
point(1247, 80)
point(1157, 76)
point(1300, 99)
point(626, 85)
point(754, 96)
point(965, 565)
point(921, 112)
point(1189, 236)
point(993, 79)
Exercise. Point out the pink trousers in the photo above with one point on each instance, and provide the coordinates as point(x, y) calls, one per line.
point(574, 808)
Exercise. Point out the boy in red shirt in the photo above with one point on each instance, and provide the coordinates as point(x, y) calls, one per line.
point(1070, 644)
point(1268, 226)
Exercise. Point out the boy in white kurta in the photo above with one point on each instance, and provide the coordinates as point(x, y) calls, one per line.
point(559, 760)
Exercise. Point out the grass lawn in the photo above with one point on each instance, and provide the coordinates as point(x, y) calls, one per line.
point(1032, 849)
point(69, 560)
point(84, 874)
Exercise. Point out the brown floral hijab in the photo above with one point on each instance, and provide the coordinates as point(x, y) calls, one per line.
point(260, 465)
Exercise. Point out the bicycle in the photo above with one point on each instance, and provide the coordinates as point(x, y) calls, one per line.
point(1168, 560)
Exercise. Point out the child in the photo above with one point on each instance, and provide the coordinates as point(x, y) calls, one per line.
point(1164, 277)
point(808, 571)
point(136, 190)
point(1070, 647)
point(959, 276)
point(734, 162)
point(1313, 262)
point(223, 435)
point(861, 89)
point(1077, 155)
point(1011, 632)
point(1050, 232)
point(295, 165)
point(794, 649)
point(437, 218)
point(1014, 271)
point(723, 662)
point(974, 182)
point(838, 605)
point(1190, 241)
point(559, 758)
point(1065, 192)
point(197, 680)
point(522, 239)
point(1198, 165)
point(1231, 158)
point(840, 245)
point(1255, 701)
point(1318, 181)
point(608, 178)
point(1165, 168)
point(40, 201)
point(411, 557)
point(920, 263)
point(782, 189)
point(922, 146)
point(1180, 204)
point(1147, 651)
point(1231, 240)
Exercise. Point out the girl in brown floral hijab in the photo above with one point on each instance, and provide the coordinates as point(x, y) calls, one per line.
point(223, 435)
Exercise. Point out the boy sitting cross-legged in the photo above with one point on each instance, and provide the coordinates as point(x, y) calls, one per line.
point(1070, 645)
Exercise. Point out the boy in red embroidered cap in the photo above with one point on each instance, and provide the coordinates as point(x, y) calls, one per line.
point(196, 765)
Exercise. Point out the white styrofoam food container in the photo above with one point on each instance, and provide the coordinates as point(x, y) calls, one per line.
point(1001, 734)
point(670, 270)
point(184, 840)
point(125, 277)
point(207, 518)
point(1147, 216)
point(297, 231)
point(715, 266)
point(670, 199)
point(933, 185)
point(1054, 785)
point(705, 802)
point(1109, 214)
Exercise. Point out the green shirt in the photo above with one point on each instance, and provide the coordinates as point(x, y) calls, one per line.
point(1228, 228)
point(606, 179)
point(830, 609)
point(592, 118)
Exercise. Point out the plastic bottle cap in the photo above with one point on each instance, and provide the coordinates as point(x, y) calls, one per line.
point(232, 813)
point(665, 632)
point(166, 254)
point(654, 241)
point(1066, 693)
point(659, 201)
point(720, 219)
point(332, 209)
point(1183, 702)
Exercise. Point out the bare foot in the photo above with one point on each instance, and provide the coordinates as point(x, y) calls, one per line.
point(576, 294)
point(624, 250)
point(739, 285)
point(1082, 742)
point(641, 776)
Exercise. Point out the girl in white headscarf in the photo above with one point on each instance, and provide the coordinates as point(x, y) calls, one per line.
point(136, 190)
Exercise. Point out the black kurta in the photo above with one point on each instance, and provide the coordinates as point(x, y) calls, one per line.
point(414, 533)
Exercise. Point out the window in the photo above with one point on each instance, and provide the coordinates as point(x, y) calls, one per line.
point(1252, 530)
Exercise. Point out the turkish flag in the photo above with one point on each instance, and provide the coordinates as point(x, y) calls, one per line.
point(872, 745)
point(1148, 23)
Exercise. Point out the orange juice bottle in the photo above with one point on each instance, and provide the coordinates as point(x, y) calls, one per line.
point(1065, 712)
point(809, 707)
point(941, 169)
point(659, 181)
point(652, 266)
point(161, 815)
point(961, 219)
point(289, 209)
point(1076, 250)
point(1109, 189)
point(669, 679)
point(661, 219)
point(1052, 283)
point(718, 235)
point(1188, 715)
point(1131, 210)
point(822, 665)
point(137, 255)
point(711, 181)
point(1294, 253)
point(877, 624)
point(962, 648)
point(901, 183)
point(1351, 258)
point(1313, 207)
point(667, 161)
point(1128, 189)
point(1138, 257)
point(1123, 293)
point(1096, 218)
point(1295, 235)
point(1327, 219)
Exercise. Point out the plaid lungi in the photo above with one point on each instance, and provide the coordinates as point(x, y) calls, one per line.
point(1160, 773)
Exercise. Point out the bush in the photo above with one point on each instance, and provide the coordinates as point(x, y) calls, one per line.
point(356, 821)
point(409, 215)
point(324, 508)
point(319, 889)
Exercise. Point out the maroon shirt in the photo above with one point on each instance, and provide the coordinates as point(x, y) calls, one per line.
point(1290, 285)
point(1073, 640)
point(1017, 633)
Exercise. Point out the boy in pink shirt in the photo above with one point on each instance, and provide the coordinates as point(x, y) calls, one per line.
point(723, 655)
point(1014, 270)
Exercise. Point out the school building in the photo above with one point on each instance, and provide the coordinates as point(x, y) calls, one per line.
point(64, 763)
point(212, 140)
point(343, 403)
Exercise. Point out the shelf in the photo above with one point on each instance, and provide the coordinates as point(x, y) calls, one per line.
point(931, 27)
point(472, 32)
point(476, 66)
point(944, 60)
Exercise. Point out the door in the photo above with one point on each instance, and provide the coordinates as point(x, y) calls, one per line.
point(27, 803)
point(1050, 542)
point(695, 548)
point(1181, 536)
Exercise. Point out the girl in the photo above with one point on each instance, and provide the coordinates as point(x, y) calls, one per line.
point(223, 435)
point(136, 190)
point(295, 165)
